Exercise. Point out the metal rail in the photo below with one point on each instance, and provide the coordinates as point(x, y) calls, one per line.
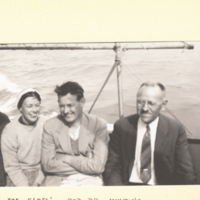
point(86, 47)
point(117, 64)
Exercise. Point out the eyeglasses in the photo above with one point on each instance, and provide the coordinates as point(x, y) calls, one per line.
point(150, 104)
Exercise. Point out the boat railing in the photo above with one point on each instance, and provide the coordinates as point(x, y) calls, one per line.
point(194, 143)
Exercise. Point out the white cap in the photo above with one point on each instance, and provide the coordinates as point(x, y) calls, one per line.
point(24, 92)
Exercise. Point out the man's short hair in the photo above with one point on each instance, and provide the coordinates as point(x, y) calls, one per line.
point(153, 84)
point(70, 87)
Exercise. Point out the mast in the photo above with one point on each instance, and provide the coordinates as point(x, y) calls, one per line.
point(118, 51)
point(88, 46)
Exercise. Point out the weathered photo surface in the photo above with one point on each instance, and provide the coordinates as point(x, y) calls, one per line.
point(44, 66)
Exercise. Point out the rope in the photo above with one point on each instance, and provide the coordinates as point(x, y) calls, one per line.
point(47, 47)
point(8, 46)
point(185, 46)
point(143, 47)
point(28, 48)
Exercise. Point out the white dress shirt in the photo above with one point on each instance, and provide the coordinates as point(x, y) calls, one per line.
point(141, 130)
point(74, 135)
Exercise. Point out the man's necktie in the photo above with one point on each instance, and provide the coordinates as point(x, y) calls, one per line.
point(145, 171)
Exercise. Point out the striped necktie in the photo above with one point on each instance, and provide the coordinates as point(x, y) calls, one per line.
point(145, 171)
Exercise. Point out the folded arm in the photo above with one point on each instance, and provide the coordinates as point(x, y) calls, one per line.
point(96, 164)
point(49, 158)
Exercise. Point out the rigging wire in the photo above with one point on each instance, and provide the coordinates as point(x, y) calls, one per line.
point(132, 74)
point(186, 46)
point(167, 109)
point(172, 114)
point(110, 73)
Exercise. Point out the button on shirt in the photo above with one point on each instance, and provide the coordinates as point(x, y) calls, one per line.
point(141, 130)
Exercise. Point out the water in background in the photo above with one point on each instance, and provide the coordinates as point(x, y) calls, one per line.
point(178, 70)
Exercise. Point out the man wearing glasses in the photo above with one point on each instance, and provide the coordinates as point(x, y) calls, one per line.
point(149, 148)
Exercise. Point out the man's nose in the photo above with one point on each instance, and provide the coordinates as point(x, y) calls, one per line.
point(66, 109)
point(34, 109)
point(145, 107)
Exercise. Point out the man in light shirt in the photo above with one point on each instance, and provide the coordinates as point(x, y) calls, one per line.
point(149, 148)
point(75, 144)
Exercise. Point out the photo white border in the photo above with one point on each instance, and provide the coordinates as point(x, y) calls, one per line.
point(59, 21)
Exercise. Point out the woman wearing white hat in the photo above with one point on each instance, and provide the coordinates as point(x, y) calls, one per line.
point(21, 142)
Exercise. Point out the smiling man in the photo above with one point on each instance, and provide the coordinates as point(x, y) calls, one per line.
point(149, 148)
point(75, 144)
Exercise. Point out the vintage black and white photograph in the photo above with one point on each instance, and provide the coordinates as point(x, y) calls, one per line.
point(99, 114)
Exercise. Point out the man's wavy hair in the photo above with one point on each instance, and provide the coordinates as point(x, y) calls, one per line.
point(70, 87)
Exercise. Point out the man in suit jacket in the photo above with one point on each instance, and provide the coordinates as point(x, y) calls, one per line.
point(75, 144)
point(149, 148)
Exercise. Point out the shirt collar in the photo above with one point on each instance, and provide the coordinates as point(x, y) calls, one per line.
point(153, 125)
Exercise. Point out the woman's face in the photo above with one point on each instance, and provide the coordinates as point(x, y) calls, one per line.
point(30, 110)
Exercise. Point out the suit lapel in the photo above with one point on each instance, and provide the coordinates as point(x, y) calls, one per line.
point(131, 141)
point(161, 137)
point(64, 137)
point(160, 143)
point(84, 135)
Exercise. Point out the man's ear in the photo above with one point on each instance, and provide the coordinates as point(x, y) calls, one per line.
point(82, 100)
point(164, 104)
point(58, 99)
point(20, 109)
